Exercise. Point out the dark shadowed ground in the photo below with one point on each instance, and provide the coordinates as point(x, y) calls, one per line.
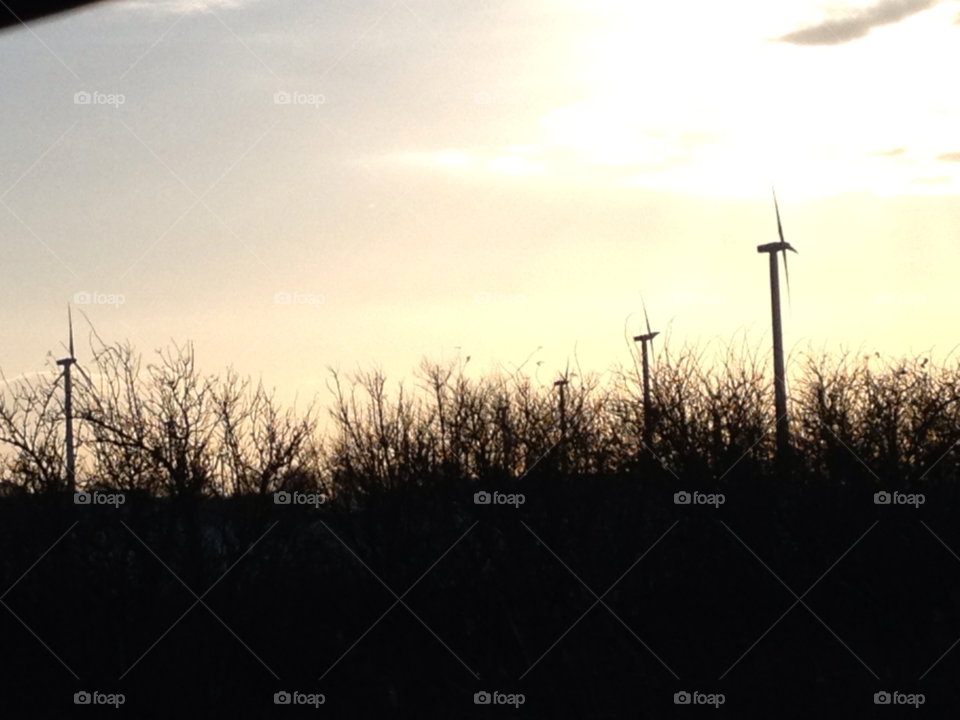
point(503, 592)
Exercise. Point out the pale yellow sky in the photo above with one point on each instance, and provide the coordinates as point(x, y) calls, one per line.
point(556, 157)
point(700, 90)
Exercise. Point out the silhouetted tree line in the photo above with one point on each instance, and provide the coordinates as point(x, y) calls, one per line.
point(494, 588)
point(171, 431)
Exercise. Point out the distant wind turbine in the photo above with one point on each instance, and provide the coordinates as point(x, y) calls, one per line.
point(67, 363)
point(647, 405)
point(561, 385)
point(779, 375)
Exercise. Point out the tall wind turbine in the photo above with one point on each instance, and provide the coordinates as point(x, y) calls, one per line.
point(647, 405)
point(66, 363)
point(779, 376)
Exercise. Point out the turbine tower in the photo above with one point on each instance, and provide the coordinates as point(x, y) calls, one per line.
point(779, 376)
point(66, 363)
point(561, 385)
point(647, 405)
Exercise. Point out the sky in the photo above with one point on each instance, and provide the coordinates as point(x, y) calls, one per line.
point(296, 185)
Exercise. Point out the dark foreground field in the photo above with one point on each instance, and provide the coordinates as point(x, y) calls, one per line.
point(398, 602)
point(598, 596)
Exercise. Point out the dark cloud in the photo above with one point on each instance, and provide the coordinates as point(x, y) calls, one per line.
point(857, 23)
point(938, 180)
point(892, 152)
point(948, 156)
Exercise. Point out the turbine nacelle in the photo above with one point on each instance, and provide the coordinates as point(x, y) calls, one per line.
point(775, 247)
point(647, 336)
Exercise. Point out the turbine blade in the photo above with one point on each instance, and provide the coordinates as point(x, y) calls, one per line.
point(646, 317)
point(777, 208)
point(70, 322)
point(786, 272)
point(86, 377)
point(786, 268)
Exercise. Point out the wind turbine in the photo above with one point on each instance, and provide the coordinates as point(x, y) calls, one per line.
point(66, 363)
point(561, 385)
point(647, 405)
point(779, 376)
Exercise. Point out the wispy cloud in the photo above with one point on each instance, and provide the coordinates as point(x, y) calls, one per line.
point(891, 152)
point(177, 7)
point(936, 180)
point(952, 157)
point(856, 23)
